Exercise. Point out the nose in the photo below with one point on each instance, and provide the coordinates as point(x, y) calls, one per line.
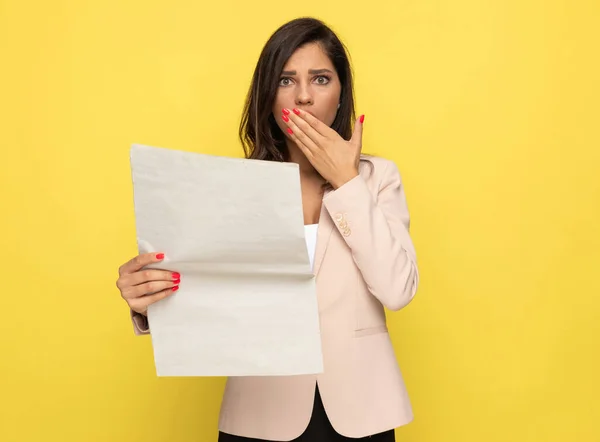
point(304, 96)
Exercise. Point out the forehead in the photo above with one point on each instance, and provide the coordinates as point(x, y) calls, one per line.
point(309, 56)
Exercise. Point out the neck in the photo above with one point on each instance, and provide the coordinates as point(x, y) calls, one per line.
point(306, 169)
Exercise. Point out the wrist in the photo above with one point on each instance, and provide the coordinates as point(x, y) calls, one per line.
point(339, 181)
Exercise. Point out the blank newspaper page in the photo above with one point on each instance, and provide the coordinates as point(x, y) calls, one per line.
point(233, 228)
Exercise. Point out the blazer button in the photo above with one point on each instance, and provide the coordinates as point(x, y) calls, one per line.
point(342, 224)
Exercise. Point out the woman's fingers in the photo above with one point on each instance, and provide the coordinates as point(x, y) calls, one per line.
point(299, 124)
point(139, 262)
point(298, 135)
point(147, 288)
point(148, 275)
point(143, 276)
point(141, 287)
point(140, 304)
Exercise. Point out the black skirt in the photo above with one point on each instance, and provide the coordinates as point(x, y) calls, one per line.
point(319, 430)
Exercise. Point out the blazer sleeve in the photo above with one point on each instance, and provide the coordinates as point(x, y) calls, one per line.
point(140, 323)
point(376, 229)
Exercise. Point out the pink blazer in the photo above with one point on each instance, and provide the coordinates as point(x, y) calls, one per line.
point(364, 261)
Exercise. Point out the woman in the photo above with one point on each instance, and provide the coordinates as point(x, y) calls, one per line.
point(300, 108)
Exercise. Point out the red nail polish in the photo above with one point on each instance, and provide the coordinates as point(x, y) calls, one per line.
point(175, 288)
point(285, 118)
point(176, 275)
point(296, 111)
point(286, 112)
point(362, 118)
point(176, 282)
point(160, 256)
point(290, 131)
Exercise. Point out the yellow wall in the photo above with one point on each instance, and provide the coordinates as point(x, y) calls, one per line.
point(489, 108)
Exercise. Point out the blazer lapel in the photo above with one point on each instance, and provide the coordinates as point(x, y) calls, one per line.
point(323, 234)
point(324, 230)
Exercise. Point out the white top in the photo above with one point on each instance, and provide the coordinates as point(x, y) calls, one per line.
point(310, 233)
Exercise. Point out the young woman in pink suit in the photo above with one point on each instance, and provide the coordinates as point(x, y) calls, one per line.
point(300, 108)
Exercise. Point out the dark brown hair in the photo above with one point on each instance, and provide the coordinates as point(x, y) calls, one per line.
point(261, 138)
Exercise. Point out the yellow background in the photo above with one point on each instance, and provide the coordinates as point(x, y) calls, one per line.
point(490, 108)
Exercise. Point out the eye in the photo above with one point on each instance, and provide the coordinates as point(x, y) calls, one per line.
point(322, 79)
point(285, 81)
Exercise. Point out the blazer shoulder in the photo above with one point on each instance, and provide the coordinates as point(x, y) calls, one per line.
point(378, 171)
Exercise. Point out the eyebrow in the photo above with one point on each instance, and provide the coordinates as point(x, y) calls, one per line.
point(310, 71)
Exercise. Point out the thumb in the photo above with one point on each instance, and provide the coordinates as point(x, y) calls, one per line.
point(358, 131)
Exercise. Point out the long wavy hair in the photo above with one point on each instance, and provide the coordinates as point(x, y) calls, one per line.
point(261, 138)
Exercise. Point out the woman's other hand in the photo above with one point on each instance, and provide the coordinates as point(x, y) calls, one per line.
point(333, 157)
point(141, 287)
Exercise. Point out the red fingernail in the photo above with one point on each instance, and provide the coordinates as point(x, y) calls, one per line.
point(176, 275)
point(296, 111)
point(362, 118)
point(160, 256)
point(175, 288)
point(285, 118)
point(286, 111)
point(176, 282)
point(289, 131)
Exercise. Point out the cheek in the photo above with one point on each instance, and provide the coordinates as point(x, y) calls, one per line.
point(282, 100)
point(330, 107)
